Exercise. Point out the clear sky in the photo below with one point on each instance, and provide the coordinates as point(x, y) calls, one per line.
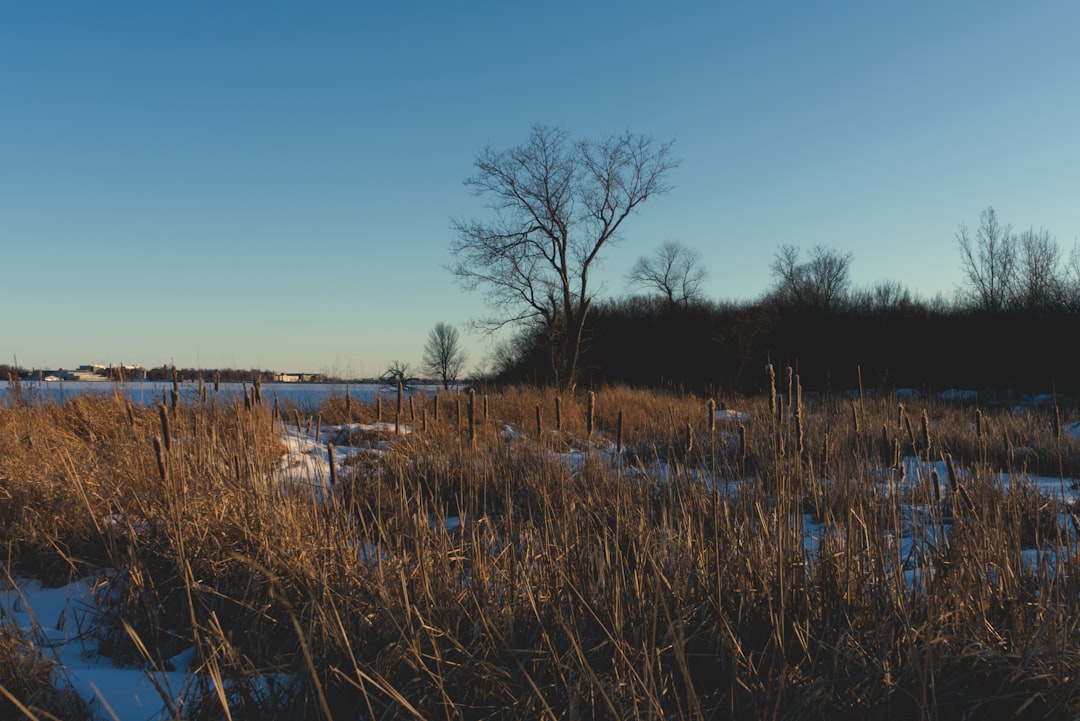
point(270, 184)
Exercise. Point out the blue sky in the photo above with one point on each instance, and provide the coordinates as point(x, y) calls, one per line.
point(271, 184)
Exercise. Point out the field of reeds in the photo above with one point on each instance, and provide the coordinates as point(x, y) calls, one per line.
point(621, 554)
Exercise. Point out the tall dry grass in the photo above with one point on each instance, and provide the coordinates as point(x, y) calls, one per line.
point(747, 567)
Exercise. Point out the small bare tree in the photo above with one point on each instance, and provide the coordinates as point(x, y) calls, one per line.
point(988, 261)
point(821, 282)
point(444, 357)
point(674, 271)
point(398, 373)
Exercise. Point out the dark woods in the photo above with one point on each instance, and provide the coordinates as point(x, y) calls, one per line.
point(702, 347)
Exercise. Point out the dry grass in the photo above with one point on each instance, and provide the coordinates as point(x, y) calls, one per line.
point(525, 572)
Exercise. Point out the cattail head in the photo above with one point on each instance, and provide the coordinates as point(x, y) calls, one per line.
point(165, 433)
point(159, 454)
point(772, 390)
point(590, 415)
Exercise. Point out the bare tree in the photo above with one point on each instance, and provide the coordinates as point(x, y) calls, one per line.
point(556, 204)
point(821, 282)
point(444, 357)
point(1038, 282)
point(988, 262)
point(398, 373)
point(1071, 280)
point(883, 295)
point(674, 271)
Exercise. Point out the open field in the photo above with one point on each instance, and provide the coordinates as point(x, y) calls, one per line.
point(514, 555)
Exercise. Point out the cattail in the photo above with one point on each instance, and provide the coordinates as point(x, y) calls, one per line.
point(898, 457)
point(486, 418)
point(618, 434)
point(1057, 423)
point(712, 416)
point(160, 456)
point(457, 410)
point(348, 404)
point(330, 462)
point(689, 439)
point(412, 410)
point(773, 410)
point(954, 483)
point(742, 442)
point(590, 414)
point(130, 412)
point(926, 432)
point(978, 424)
point(899, 416)
point(538, 426)
point(854, 416)
point(558, 414)
point(247, 399)
point(935, 483)
point(164, 415)
point(175, 389)
point(217, 382)
point(825, 450)
point(435, 406)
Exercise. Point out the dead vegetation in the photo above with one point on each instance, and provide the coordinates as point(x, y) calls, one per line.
point(793, 559)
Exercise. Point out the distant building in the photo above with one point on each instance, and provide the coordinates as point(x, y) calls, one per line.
point(299, 377)
point(91, 368)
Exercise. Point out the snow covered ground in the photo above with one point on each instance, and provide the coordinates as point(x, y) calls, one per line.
point(59, 621)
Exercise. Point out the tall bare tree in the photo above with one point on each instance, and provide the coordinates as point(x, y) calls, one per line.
point(555, 205)
point(444, 357)
point(988, 261)
point(674, 271)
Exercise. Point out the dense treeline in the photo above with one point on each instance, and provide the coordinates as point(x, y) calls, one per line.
point(1011, 325)
point(223, 375)
point(702, 346)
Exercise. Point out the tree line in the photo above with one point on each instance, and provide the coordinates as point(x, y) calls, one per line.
point(557, 204)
